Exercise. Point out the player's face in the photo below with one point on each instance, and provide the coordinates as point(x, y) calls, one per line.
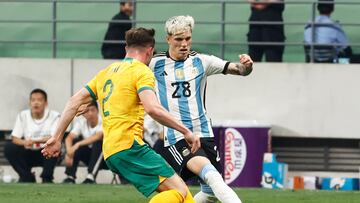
point(37, 103)
point(92, 114)
point(179, 45)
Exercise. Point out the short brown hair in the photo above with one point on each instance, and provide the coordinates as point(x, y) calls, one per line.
point(140, 37)
point(40, 91)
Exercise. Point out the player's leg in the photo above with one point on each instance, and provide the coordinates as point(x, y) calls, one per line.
point(172, 157)
point(174, 189)
point(209, 174)
point(206, 164)
point(147, 170)
point(205, 195)
point(177, 156)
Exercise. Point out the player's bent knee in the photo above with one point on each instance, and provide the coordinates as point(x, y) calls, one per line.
point(179, 185)
point(196, 164)
point(174, 183)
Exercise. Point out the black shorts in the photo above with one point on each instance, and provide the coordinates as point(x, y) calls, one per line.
point(179, 154)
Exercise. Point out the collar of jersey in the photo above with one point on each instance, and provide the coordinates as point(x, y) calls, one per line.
point(128, 59)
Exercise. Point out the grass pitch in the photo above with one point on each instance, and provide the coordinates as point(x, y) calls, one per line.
point(59, 193)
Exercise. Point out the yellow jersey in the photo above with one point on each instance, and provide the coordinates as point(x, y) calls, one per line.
point(116, 88)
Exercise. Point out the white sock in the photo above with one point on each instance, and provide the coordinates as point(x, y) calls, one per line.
point(221, 190)
point(202, 197)
point(90, 176)
point(71, 177)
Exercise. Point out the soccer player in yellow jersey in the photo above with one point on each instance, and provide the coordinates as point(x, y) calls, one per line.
point(124, 90)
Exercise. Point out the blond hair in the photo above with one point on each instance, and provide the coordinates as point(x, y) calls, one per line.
point(179, 24)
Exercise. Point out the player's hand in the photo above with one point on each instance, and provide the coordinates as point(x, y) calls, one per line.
point(193, 141)
point(28, 144)
point(246, 60)
point(51, 148)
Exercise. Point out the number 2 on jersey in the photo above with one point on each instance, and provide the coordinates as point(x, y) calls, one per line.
point(107, 83)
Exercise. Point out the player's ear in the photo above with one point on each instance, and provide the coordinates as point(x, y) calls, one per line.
point(168, 39)
point(152, 51)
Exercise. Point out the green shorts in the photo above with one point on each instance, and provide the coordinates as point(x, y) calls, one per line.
point(141, 166)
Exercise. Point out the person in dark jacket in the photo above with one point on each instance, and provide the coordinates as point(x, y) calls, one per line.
point(266, 10)
point(116, 32)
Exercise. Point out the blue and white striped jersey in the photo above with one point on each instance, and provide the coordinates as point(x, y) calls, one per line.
point(181, 87)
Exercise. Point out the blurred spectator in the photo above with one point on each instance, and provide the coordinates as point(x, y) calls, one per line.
point(33, 127)
point(266, 10)
point(116, 32)
point(152, 130)
point(328, 32)
point(154, 135)
point(88, 133)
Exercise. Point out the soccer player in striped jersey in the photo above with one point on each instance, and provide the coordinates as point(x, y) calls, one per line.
point(181, 83)
point(125, 90)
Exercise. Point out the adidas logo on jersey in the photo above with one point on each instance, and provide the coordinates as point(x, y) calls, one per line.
point(163, 74)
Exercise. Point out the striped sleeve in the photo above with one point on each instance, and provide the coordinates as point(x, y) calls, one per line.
point(91, 87)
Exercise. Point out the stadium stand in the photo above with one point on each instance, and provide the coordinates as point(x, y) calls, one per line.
point(76, 39)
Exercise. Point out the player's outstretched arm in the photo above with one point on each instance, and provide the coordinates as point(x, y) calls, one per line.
point(53, 145)
point(243, 68)
point(157, 112)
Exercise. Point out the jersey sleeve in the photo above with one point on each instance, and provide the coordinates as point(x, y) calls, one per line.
point(145, 80)
point(18, 130)
point(91, 87)
point(215, 65)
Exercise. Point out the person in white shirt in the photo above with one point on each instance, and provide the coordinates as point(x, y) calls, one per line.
point(33, 127)
point(84, 143)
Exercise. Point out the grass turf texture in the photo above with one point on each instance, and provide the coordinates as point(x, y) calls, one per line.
point(56, 193)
